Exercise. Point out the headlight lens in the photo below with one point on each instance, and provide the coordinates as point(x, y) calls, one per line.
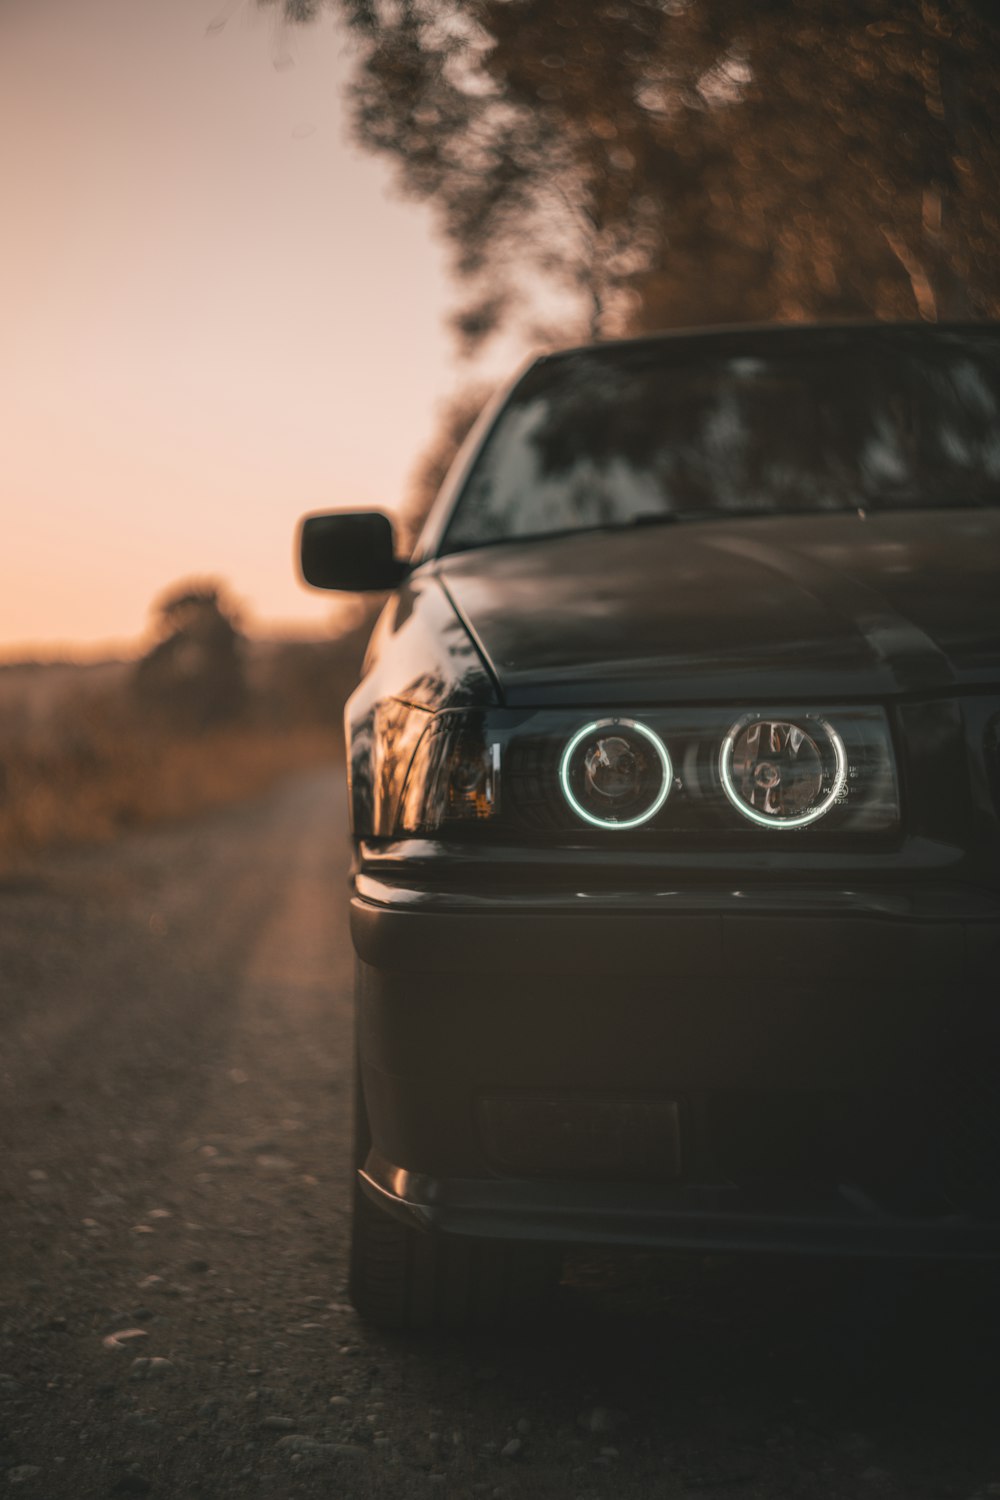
point(782, 773)
point(681, 774)
point(615, 773)
point(454, 776)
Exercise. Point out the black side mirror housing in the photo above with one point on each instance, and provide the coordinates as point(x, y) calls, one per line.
point(354, 550)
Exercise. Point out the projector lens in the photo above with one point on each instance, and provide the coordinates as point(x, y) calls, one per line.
point(615, 773)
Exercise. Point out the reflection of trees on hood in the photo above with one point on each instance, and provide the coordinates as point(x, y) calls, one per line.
point(677, 162)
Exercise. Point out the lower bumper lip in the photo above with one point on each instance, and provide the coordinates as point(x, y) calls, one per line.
point(835, 1221)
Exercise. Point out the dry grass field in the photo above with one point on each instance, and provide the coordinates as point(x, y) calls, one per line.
point(95, 786)
point(83, 758)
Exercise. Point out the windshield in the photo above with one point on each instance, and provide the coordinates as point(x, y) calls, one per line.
point(693, 430)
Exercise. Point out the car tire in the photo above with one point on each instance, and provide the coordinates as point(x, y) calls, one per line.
point(410, 1278)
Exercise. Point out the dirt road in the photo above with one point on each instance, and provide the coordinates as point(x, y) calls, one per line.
point(174, 1045)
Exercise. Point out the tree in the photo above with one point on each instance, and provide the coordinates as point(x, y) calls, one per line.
point(194, 676)
point(674, 162)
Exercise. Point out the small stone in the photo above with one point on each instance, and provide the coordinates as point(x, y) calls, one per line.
point(22, 1473)
point(609, 1453)
point(57, 1324)
point(340, 1401)
point(598, 1419)
point(296, 1442)
point(523, 1426)
point(150, 1369)
point(279, 1424)
point(107, 1200)
point(511, 1449)
point(151, 1284)
point(269, 1163)
point(125, 1338)
point(197, 1265)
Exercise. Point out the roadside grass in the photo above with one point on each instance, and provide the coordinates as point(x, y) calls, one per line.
point(102, 779)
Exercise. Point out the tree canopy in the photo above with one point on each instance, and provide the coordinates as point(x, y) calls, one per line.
point(194, 676)
point(675, 162)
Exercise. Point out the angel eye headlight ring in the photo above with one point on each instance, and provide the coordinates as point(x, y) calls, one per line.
point(606, 767)
point(804, 760)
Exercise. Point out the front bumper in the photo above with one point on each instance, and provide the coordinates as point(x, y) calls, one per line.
point(826, 1058)
point(837, 1221)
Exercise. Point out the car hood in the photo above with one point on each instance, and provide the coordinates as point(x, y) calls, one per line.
point(805, 607)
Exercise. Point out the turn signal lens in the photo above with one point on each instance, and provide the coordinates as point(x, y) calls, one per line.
point(454, 777)
point(780, 773)
point(615, 773)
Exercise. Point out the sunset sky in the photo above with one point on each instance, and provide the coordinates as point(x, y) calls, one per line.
point(215, 313)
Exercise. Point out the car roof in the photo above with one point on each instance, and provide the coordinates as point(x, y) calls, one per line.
point(751, 335)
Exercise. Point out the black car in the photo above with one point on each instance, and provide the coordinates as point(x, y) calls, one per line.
point(675, 786)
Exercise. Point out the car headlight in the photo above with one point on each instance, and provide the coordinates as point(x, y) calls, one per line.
point(782, 773)
point(454, 776)
point(691, 775)
point(616, 773)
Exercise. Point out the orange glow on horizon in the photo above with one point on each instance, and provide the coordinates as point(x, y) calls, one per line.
point(216, 317)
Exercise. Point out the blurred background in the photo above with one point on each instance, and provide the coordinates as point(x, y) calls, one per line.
point(265, 258)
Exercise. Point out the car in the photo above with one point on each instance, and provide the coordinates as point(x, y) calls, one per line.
point(674, 774)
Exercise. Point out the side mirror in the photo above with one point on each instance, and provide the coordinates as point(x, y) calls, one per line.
point(353, 550)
